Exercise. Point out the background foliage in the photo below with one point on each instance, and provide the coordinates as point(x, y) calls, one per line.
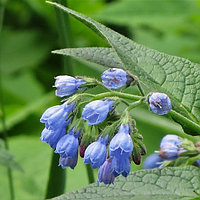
point(30, 34)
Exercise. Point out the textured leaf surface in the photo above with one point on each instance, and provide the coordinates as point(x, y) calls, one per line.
point(166, 184)
point(177, 77)
point(102, 56)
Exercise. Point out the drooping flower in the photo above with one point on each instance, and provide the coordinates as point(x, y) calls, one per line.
point(153, 161)
point(104, 174)
point(67, 85)
point(115, 78)
point(95, 153)
point(68, 161)
point(121, 143)
point(159, 103)
point(54, 117)
point(120, 148)
point(52, 137)
point(67, 146)
point(96, 112)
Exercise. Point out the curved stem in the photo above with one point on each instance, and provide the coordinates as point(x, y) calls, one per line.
point(117, 94)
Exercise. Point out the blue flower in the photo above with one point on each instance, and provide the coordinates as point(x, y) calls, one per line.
point(114, 78)
point(169, 151)
point(153, 161)
point(159, 103)
point(172, 139)
point(96, 112)
point(67, 85)
point(67, 146)
point(104, 174)
point(120, 148)
point(170, 147)
point(54, 117)
point(52, 137)
point(68, 161)
point(95, 153)
point(122, 142)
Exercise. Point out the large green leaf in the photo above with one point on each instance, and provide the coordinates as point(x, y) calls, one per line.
point(177, 77)
point(166, 184)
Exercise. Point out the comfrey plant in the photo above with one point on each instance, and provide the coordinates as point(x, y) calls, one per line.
point(109, 140)
point(103, 128)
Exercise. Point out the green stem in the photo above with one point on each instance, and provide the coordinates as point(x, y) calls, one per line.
point(117, 94)
point(57, 177)
point(3, 118)
point(190, 124)
point(90, 174)
point(134, 104)
point(56, 182)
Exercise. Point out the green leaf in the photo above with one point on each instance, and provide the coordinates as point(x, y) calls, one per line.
point(7, 160)
point(177, 77)
point(156, 184)
point(102, 56)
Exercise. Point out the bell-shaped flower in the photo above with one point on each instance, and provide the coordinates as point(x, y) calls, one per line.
point(120, 165)
point(67, 85)
point(67, 146)
point(172, 139)
point(115, 78)
point(159, 103)
point(54, 117)
point(104, 174)
point(52, 136)
point(96, 112)
point(121, 143)
point(153, 161)
point(95, 153)
point(68, 161)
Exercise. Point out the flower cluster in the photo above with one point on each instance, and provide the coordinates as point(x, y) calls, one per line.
point(170, 148)
point(108, 140)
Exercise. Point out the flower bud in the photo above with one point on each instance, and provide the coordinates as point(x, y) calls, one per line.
point(115, 78)
point(104, 174)
point(159, 103)
point(67, 85)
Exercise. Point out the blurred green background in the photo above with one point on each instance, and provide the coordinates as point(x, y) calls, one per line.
point(28, 68)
